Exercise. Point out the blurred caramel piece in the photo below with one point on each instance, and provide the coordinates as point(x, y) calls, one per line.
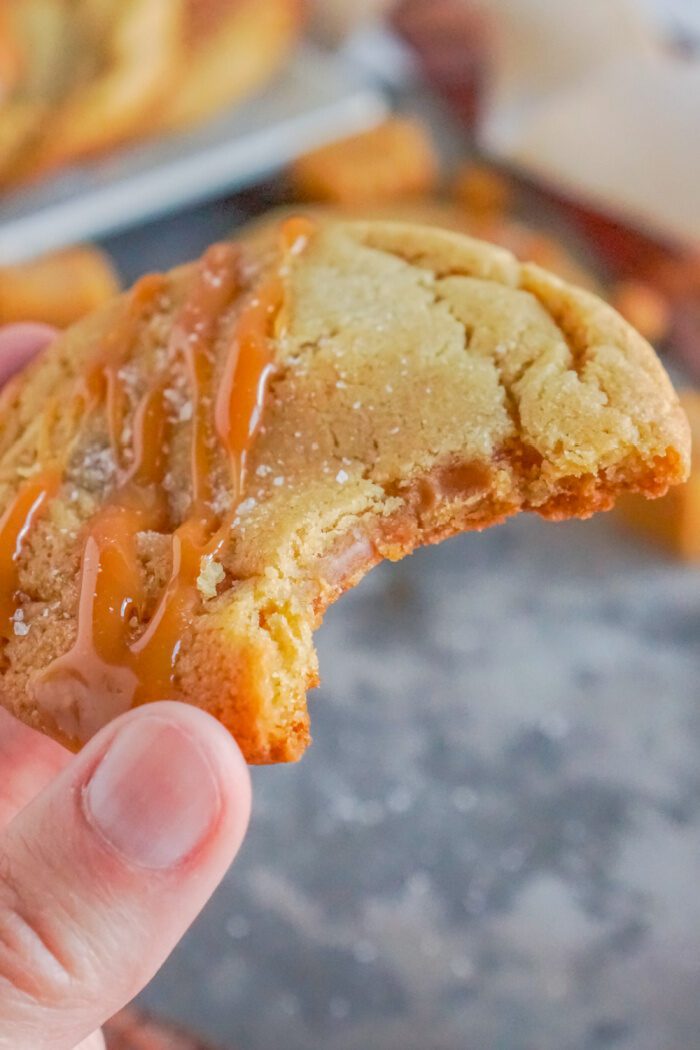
point(57, 289)
point(673, 521)
point(482, 190)
point(644, 307)
point(395, 159)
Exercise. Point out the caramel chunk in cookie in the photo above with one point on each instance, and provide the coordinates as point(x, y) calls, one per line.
point(190, 476)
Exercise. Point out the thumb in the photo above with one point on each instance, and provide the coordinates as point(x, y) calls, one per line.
point(104, 871)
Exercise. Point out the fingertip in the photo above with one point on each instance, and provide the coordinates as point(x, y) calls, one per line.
point(222, 751)
point(167, 787)
point(19, 343)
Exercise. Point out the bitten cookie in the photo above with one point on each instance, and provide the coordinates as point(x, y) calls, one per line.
point(191, 475)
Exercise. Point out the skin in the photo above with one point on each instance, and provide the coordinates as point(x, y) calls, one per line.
point(106, 857)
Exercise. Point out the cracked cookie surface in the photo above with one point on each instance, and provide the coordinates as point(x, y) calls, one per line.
point(416, 383)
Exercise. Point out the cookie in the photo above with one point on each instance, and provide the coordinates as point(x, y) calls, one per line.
point(395, 159)
point(190, 476)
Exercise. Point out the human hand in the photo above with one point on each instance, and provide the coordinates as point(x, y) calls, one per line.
point(106, 857)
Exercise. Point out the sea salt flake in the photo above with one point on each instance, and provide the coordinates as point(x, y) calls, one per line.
point(342, 476)
point(19, 626)
point(211, 574)
point(278, 481)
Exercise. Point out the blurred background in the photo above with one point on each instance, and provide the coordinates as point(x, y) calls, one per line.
point(494, 842)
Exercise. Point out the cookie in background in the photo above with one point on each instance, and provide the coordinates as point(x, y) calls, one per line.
point(59, 288)
point(80, 77)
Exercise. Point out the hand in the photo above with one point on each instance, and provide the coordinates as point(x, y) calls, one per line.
point(105, 857)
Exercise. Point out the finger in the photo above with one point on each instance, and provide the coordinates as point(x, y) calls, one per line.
point(19, 343)
point(28, 761)
point(106, 869)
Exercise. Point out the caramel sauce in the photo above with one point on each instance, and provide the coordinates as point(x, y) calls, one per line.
point(27, 506)
point(248, 366)
point(241, 394)
point(127, 644)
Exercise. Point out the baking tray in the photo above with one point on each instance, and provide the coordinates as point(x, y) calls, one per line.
point(316, 99)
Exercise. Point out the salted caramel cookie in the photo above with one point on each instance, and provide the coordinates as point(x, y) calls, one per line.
point(191, 475)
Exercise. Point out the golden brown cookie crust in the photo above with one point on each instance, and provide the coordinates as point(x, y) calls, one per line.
point(424, 383)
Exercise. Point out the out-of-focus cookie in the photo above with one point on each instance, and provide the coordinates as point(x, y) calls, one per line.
point(78, 77)
point(396, 159)
point(190, 476)
point(39, 57)
point(136, 55)
point(230, 49)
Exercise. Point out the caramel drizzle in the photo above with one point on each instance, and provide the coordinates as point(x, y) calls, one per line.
point(15, 524)
point(35, 494)
point(115, 661)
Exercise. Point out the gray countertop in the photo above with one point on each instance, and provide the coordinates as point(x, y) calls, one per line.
point(494, 842)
